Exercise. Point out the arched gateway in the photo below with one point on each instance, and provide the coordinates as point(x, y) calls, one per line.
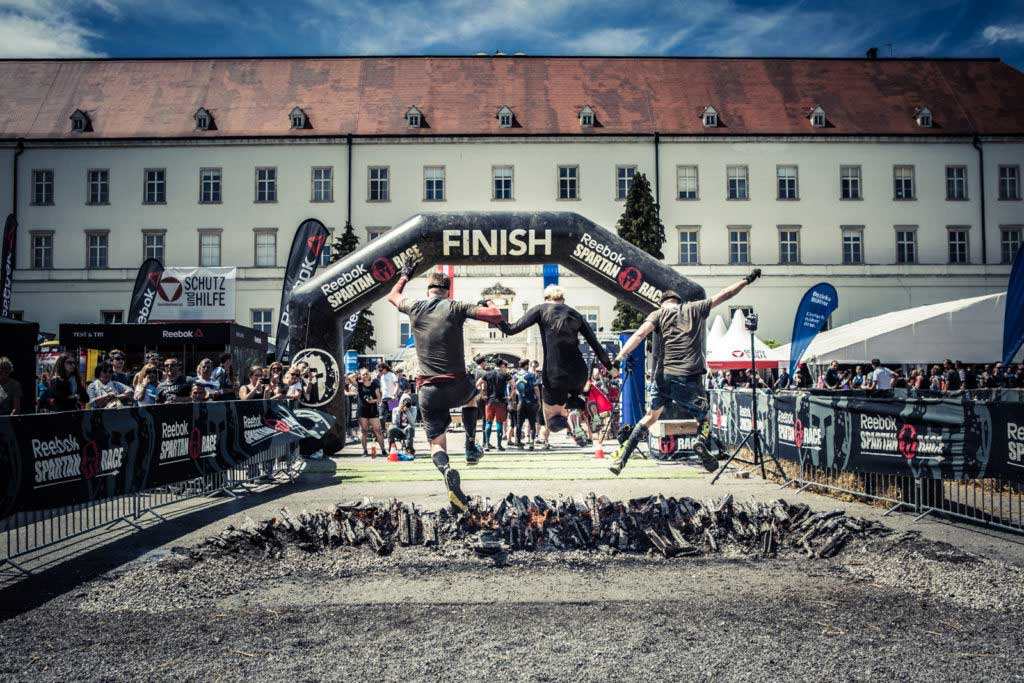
point(322, 312)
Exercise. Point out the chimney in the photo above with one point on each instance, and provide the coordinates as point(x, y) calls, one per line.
point(872, 53)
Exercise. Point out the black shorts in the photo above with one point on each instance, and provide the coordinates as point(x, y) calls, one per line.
point(558, 392)
point(437, 400)
point(368, 411)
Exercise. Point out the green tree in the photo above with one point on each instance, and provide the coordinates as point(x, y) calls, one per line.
point(640, 225)
point(362, 338)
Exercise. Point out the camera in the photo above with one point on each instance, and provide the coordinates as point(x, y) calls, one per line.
point(750, 322)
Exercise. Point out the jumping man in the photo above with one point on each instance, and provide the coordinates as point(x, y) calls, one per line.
point(680, 367)
point(437, 329)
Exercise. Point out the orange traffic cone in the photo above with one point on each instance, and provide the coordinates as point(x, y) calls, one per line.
point(599, 452)
point(393, 456)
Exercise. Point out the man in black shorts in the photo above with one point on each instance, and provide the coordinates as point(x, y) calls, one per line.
point(443, 383)
point(495, 386)
point(565, 372)
point(680, 366)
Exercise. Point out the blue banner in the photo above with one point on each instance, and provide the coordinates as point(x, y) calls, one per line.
point(1013, 321)
point(550, 274)
point(817, 305)
point(632, 383)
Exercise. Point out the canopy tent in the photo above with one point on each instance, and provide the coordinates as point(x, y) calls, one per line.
point(970, 330)
point(716, 332)
point(731, 351)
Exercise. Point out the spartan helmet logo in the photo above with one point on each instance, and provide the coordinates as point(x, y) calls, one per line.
point(907, 440)
point(630, 279)
point(798, 433)
point(382, 269)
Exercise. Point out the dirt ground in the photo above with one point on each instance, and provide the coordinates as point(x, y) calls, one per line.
point(928, 602)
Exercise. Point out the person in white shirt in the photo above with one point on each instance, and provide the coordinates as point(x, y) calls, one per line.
point(388, 391)
point(881, 376)
point(104, 390)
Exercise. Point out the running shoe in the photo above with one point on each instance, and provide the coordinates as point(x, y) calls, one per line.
point(710, 462)
point(617, 464)
point(500, 448)
point(456, 497)
point(473, 454)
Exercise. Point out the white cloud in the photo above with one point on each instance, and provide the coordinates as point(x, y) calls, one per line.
point(1000, 34)
point(47, 28)
point(610, 41)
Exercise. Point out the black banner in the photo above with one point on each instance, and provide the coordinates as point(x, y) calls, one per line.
point(931, 438)
point(303, 258)
point(53, 459)
point(7, 266)
point(147, 281)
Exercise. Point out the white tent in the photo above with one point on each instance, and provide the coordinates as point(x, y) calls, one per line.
point(731, 351)
point(970, 330)
point(716, 332)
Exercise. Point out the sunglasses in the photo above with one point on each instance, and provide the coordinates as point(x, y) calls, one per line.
point(170, 365)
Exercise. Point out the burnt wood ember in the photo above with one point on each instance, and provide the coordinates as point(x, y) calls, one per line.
point(672, 527)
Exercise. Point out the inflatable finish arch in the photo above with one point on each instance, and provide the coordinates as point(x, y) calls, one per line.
point(322, 312)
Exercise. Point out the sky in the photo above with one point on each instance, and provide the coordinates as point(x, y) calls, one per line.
point(177, 28)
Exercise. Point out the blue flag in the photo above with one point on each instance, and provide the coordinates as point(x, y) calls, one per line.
point(550, 274)
point(817, 305)
point(1013, 321)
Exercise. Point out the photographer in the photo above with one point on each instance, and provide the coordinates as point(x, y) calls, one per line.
point(403, 428)
point(256, 389)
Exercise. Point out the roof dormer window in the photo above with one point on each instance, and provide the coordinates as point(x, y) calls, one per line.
point(818, 118)
point(587, 117)
point(299, 119)
point(505, 117)
point(204, 121)
point(924, 117)
point(414, 118)
point(710, 117)
point(80, 122)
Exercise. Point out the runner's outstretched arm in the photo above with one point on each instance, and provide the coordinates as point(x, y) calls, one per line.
point(489, 314)
point(529, 318)
point(395, 296)
point(635, 340)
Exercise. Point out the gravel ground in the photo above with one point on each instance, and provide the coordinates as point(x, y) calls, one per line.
point(893, 608)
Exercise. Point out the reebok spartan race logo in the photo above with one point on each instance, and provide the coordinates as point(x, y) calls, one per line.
point(603, 259)
point(352, 284)
point(62, 459)
point(883, 435)
point(792, 431)
point(179, 443)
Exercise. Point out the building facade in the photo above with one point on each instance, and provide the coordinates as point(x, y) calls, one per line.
point(898, 181)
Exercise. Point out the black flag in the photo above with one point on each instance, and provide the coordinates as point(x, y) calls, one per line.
point(146, 284)
point(309, 241)
point(7, 266)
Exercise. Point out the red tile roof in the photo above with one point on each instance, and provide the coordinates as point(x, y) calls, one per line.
point(461, 95)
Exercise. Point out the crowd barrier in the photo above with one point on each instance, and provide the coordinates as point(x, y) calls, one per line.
point(961, 456)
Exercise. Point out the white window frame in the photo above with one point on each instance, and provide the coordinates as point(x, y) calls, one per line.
point(957, 183)
point(511, 183)
point(214, 177)
point(404, 330)
point(265, 262)
point(112, 317)
point(624, 180)
point(97, 187)
point(782, 230)
point(912, 231)
point(1010, 238)
point(210, 233)
point(431, 186)
point(42, 185)
point(266, 185)
point(158, 184)
point(324, 259)
point(740, 174)
point(587, 119)
point(322, 188)
point(375, 232)
point(101, 249)
point(818, 119)
point(378, 182)
point(42, 251)
point(1009, 188)
point(589, 312)
point(265, 326)
point(740, 230)
point(150, 251)
point(851, 230)
point(414, 119)
point(852, 175)
point(896, 178)
point(569, 185)
point(695, 178)
point(785, 181)
point(506, 117)
point(965, 244)
point(688, 230)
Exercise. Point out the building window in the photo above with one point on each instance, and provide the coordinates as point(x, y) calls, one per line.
point(587, 117)
point(568, 182)
point(786, 180)
point(154, 186)
point(736, 178)
point(325, 252)
point(379, 184)
point(374, 233)
point(1009, 243)
point(956, 183)
point(153, 244)
point(710, 117)
point(262, 320)
point(433, 183)
point(42, 187)
point(414, 118)
point(298, 119)
point(689, 246)
point(818, 118)
point(591, 315)
point(323, 184)
point(203, 119)
point(42, 250)
point(623, 180)
point(958, 250)
point(265, 248)
point(924, 117)
point(789, 245)
point(906, 245)
point(97, 247)
point(502, 184)
point(903, 182)
point(739, 246)
point(112, 317)
point(505, 117)
point(266, 184)
point(99, 186)
point(853, 245)
point(209, 185)
point(404, 331)
point(849, 182)
point(1009, 183)
point(209, 248)
point(686, 182)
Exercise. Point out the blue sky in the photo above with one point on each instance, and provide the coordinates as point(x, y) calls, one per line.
point(151, 28)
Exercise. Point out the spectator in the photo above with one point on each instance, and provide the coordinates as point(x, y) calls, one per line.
point(120, 375)
point(147, 385)
point(198, 392)
point(224, 376)
point(204, 378)
point(881, 376)
point(66, 388)
point(275, 383)
point(388, 391)
point(404, 385)
point(293, 382)
point(969, 375)
point(832, 376)
point(951, 381)
point(845, 379)
point(105, 392)
point(10, 389)
point(175, 387)
point(256, 389)
point(403, 425)
point(369, 397)
point(857, 381)
point(898, 379)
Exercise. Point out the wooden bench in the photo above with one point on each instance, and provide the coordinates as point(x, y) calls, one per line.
point(674, 428)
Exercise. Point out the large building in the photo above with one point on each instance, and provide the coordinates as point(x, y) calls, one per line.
point(898, 180)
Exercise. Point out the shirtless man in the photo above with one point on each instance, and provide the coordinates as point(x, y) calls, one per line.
point(443, 383)
point(565, 371)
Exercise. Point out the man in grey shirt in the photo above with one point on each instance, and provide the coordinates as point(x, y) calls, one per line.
point(443, 383)
point(679, 369)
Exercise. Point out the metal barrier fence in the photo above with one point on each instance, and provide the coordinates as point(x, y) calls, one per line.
point(30, 533)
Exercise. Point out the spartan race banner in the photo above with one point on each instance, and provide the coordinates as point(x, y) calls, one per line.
point(303, 258)
point(931, 438)
point(53, 459)
point(147, 282)
point(7, 265)
point(321, 312)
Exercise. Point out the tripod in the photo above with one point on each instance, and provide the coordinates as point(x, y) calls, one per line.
point(754, 438)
